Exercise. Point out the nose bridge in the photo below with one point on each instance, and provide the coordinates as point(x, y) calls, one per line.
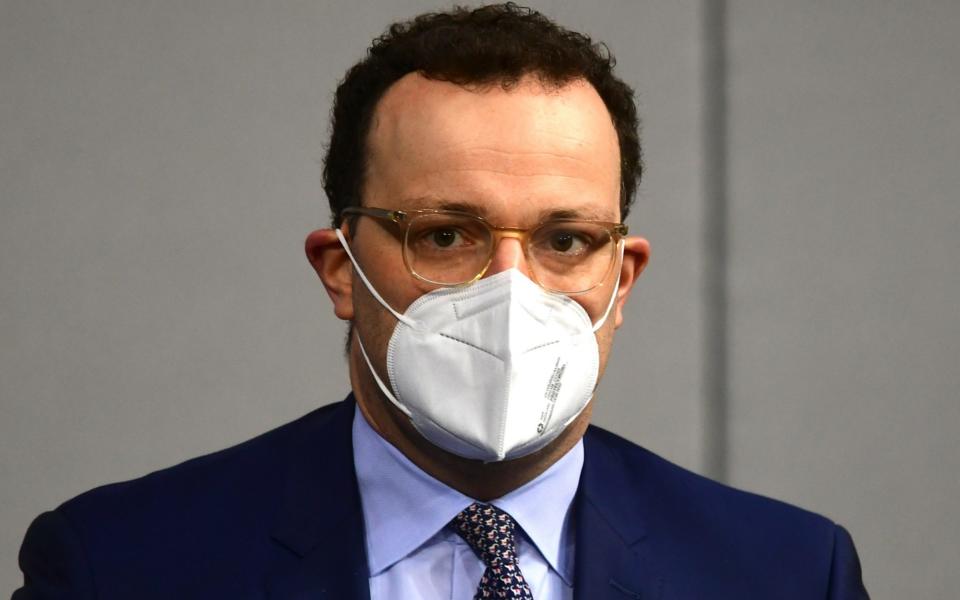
point(508, 251)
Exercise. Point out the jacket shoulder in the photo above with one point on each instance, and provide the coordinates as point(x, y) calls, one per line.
point(203, 528)
point(670, 486)
point(715, 533)
point(242, 471)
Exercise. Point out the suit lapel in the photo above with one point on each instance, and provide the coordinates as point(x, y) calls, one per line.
point(321, 520)
point(611, 557)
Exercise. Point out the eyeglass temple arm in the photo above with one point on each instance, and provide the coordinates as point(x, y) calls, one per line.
point(379, 213)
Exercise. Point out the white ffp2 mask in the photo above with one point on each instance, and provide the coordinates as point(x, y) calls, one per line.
point(490, 371)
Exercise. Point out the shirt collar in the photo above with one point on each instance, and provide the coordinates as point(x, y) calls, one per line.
point(403, 506)
point(542, 507)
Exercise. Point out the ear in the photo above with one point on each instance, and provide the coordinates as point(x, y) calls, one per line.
point(636, 253)
point(332, 264)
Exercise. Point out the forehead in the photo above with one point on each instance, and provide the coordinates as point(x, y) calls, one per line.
point(511, 153)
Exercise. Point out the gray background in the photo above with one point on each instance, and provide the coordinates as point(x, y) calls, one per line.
point(796, 333)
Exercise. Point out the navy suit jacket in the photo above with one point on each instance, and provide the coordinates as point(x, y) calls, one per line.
point(279, 517)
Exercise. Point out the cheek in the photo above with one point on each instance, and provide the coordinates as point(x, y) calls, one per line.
point(387, 273)
point(372, 323)
point(595, 303)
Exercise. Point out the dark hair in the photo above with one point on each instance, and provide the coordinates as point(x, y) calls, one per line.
point(496, 44)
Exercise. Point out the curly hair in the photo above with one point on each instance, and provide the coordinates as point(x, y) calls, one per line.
point(490, 45)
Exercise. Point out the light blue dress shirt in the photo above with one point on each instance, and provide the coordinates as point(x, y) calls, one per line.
point(413, 555)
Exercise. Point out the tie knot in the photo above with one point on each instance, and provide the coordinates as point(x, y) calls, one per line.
point(489, 531)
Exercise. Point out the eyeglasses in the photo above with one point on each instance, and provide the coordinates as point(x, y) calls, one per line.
point(451, 248)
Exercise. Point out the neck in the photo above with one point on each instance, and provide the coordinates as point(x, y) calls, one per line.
point(483, 481)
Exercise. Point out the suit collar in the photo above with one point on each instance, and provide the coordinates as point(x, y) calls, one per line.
point(320, 520)
point(612, 554)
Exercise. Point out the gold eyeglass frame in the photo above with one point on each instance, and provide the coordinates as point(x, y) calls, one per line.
point(402, 218)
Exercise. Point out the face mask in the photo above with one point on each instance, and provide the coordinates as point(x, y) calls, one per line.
point(490, 371)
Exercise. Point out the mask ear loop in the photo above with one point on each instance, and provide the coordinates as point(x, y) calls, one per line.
point(402, 318)
point(383, 386)
point(599, 324)
point(616, 288)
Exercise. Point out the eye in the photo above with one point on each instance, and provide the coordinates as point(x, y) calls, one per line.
point(441, 238)
point(444, 238)
point(567, 242)
point(446, 235)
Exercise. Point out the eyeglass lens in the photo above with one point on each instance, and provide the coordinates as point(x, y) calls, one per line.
point(565, 256)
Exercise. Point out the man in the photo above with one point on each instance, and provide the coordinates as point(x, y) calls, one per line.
point(480, 168)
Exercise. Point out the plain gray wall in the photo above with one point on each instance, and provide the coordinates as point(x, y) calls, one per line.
point(845, 274)
point(159, 169)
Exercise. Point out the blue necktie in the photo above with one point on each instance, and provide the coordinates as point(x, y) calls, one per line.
point(489, 531)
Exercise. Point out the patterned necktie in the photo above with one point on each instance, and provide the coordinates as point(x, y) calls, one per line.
point(489, 531)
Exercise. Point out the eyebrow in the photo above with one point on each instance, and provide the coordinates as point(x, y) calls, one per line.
point(437, 203)
point(585, 212)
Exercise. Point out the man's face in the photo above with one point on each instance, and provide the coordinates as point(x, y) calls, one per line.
point(515, 157)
